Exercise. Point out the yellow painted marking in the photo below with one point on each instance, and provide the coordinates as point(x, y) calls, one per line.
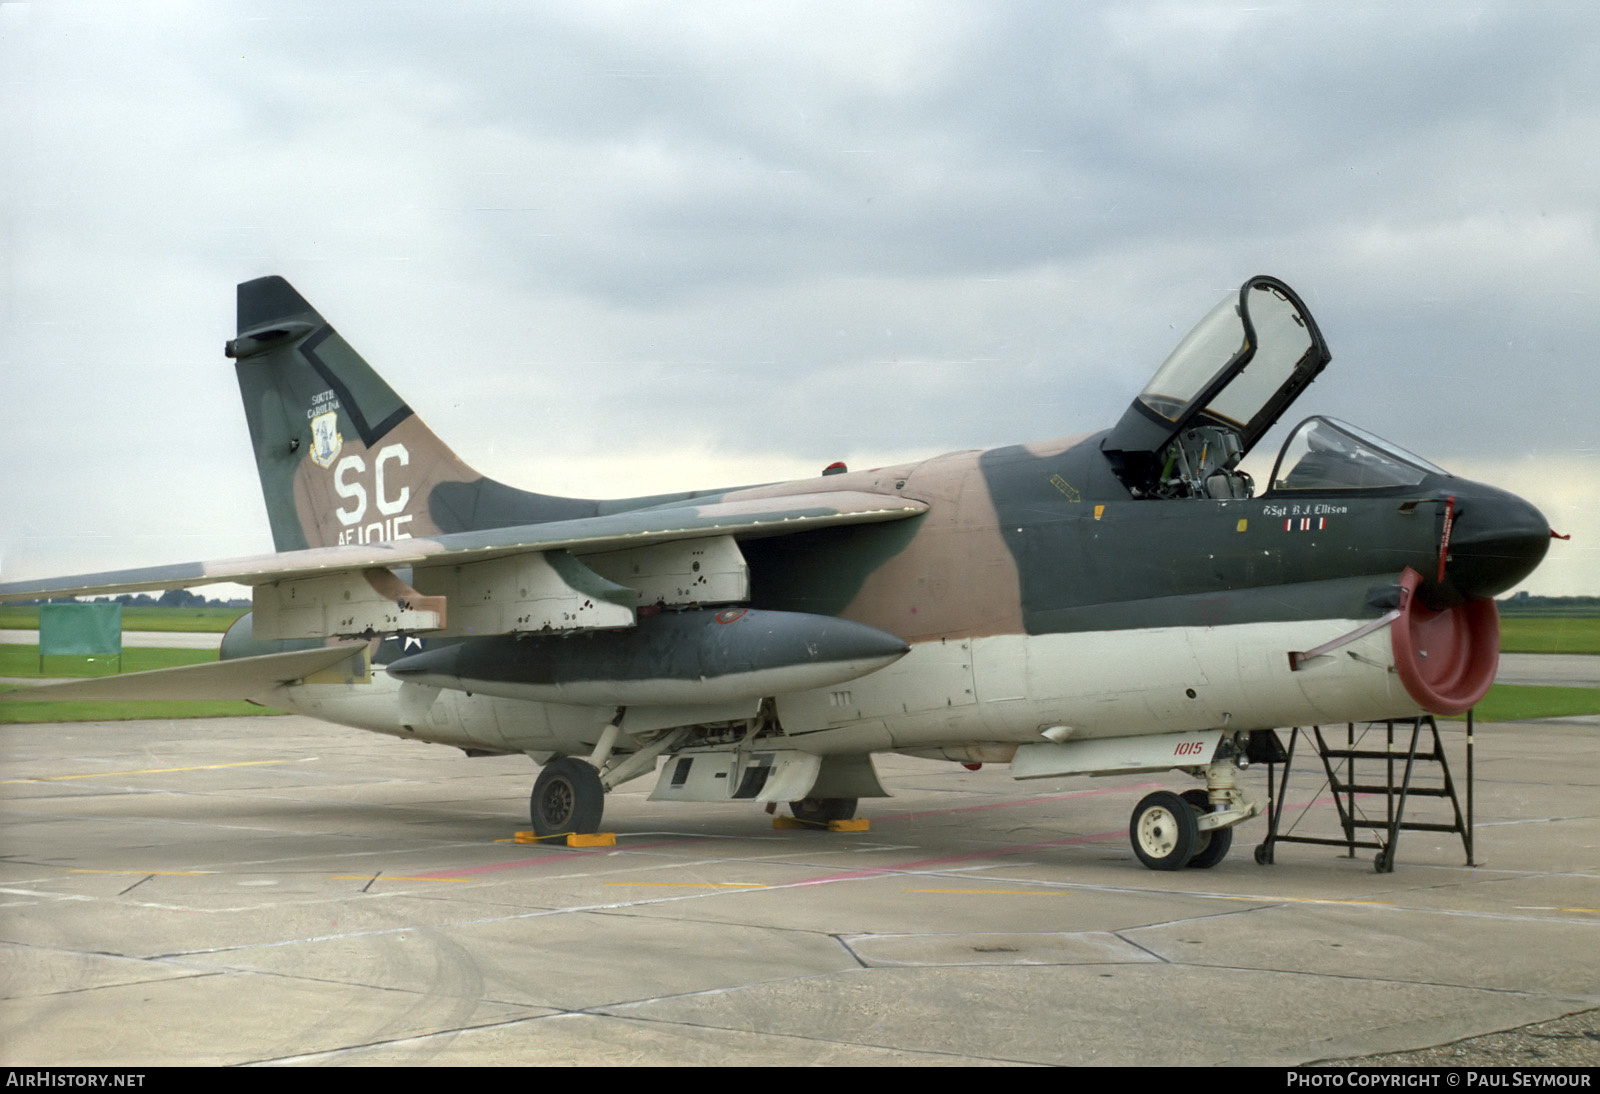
point(146, 771)
point(1066, 488)
point(1588, 911)
point(1242, 525)
point(149, 873)
point(693, 884)
point(1099, 510)
point(992, 892)
point(390, 877)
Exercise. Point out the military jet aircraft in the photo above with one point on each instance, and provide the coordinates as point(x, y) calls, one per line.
point(1112, 602)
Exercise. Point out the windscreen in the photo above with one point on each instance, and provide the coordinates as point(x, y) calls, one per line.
point(1325, 454)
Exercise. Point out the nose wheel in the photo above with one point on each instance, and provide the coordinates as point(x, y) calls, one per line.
point(1164, 831)
point(1213, 844)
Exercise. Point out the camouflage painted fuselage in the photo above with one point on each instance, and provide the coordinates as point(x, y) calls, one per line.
point(1069, 590)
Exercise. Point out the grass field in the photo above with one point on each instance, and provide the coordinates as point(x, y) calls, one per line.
point(1550, 634)
point(1524, 702)
point(206, 620)
point(24, 661)
point(1547, 633)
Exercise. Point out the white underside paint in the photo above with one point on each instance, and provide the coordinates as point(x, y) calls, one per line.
point(955, 695)
point(785, 775)
point(1115, 755)
point(1108, 684)
point(755, 684)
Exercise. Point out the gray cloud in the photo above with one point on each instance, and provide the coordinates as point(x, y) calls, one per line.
point(788, 230)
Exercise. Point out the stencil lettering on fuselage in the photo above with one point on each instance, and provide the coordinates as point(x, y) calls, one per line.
point(364, 489)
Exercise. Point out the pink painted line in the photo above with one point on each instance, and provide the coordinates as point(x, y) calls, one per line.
point(920, 864)
point(561, 856)
point(946, 860)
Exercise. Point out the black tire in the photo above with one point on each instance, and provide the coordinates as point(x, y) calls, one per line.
point(567, 797)
point(1200, 802)
point(823, 810)
point(1263, 855)
point(1215, 850)
point(1163, 831)
point(1213, 845)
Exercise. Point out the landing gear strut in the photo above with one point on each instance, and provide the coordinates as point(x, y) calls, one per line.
point(1214, 843)
point(567, 797)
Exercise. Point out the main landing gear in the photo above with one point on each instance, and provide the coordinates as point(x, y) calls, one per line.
point(567, 797)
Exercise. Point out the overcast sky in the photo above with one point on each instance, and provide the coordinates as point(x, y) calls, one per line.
point(616, 248)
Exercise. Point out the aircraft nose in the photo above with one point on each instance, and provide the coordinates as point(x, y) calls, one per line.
point(1497, 540)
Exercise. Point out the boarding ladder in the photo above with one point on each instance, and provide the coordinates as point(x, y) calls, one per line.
point(1400, 762)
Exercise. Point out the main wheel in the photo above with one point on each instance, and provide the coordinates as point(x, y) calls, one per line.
point(1213, 844)
point(567, 797)
point(823, 810)
point(1163, 831)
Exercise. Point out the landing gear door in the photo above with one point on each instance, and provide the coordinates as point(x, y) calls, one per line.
point(1219, 392)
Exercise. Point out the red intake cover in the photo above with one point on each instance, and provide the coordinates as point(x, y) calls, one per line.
point(1446, 660)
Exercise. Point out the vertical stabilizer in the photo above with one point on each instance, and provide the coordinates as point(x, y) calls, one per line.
point(342, 458)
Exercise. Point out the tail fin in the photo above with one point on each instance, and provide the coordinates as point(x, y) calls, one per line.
point(342, 458)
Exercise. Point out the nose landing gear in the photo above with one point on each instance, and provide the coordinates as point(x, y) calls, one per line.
point(1170, 831)
point(1164, 831)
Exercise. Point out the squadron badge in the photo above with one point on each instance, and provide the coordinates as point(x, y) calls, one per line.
point(325, 439)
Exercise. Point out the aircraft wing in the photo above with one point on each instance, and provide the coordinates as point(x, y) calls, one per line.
point(241, 678)
point(590, 572)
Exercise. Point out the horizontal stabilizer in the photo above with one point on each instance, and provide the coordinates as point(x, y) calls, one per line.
point(241, 678)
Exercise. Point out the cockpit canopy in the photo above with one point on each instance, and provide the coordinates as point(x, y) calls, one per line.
point(1225, 385)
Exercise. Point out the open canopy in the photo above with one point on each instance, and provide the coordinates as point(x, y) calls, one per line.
point(1226, 384)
